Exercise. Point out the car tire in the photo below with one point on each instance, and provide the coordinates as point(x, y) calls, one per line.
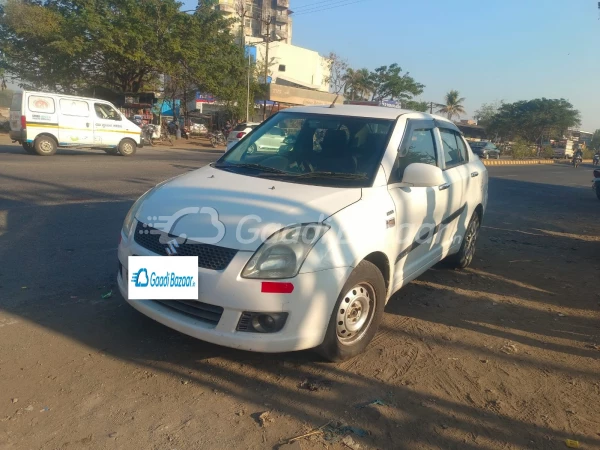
point(45, 146)
point(28, 148)
point(127, 147)
point(111, 151)
point(356, 315)
point(464, 257)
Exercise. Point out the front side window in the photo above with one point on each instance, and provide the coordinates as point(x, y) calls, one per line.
point(455, 152)
point(417, 147)
point(324, 150)
point(107, 112)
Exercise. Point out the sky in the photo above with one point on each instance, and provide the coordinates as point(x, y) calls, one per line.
point(488, 50)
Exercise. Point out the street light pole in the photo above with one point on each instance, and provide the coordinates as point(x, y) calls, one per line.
point(248, 94)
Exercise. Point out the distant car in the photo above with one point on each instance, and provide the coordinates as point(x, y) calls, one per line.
point(485, 150)
point(239, 132)
point(198, 129)
point(271, 141)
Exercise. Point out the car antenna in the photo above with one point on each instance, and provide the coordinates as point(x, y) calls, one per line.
point(334, 100)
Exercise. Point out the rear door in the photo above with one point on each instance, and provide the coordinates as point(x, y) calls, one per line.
point(108, 125)
point(41, 112)
point(76, 123)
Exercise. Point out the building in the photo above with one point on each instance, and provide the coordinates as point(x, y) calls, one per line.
point(290, 65)
point(260, 18)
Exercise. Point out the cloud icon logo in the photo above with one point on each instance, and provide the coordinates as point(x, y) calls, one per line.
point(140, 278)
point(165, 224)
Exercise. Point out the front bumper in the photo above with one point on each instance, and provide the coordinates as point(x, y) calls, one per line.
point(309, 306)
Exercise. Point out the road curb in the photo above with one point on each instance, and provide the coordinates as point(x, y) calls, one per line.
point(527, 162)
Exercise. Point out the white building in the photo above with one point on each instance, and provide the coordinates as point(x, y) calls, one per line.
point(294, 66)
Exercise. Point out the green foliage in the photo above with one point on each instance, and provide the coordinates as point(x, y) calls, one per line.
point(534, 119)
point(486, 113)
point(124, 45)
point(416, 106)
point(520, 149)
point(547, 152)
point(388, 82)
point(452, 105)
point(588, 153)
point(595, 144)
point(358, 84)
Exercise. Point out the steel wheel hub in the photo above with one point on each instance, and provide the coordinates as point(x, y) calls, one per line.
point(355, 313)
point(45, 146)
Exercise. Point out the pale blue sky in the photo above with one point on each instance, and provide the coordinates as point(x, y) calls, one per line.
point(486, 49)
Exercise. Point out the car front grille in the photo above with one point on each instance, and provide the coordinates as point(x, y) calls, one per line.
point(204, 312)
point(209, 256)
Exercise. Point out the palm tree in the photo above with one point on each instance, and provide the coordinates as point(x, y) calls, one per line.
point(357, 83)
point(453, 106)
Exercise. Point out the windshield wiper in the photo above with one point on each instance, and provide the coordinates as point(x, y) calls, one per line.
point(340, 175)
point(251, 166)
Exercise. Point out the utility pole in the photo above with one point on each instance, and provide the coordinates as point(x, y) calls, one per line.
point(268, 23)
point(430, 107)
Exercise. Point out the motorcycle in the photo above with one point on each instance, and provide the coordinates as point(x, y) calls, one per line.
point(596, 159)
point(596, 183)
point(217, 139)
point(149, 133)
point(576, 161)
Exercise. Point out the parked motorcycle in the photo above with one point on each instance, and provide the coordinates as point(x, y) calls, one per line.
point(596, 159)
point(217, 139)
point(149, 133)
point(596, 183)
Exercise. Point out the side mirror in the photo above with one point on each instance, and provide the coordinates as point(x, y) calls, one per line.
point(423, 175)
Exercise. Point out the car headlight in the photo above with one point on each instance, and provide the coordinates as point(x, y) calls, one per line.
point(282, 254)
point(130, 217)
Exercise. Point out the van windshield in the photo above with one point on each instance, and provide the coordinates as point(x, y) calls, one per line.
point(16, 102)
point(315, 149)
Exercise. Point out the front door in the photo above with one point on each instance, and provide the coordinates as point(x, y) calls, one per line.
point(108, 125)
point(75, 123)
point(418, 210)
point(457, 175)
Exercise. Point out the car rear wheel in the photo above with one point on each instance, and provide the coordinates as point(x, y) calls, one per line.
point(356, 315)
point(464, 257)
point(45, 146)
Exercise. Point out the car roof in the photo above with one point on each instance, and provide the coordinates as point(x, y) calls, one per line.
point(376, 112)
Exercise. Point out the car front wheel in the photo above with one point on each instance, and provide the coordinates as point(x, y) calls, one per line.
point(357, 314)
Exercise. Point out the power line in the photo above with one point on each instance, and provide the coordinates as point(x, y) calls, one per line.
point(319, 4)
point(319, 9)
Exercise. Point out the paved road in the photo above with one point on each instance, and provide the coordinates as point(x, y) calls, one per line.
point(107, 372)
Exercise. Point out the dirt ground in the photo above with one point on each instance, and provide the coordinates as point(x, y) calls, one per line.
point(504, 355)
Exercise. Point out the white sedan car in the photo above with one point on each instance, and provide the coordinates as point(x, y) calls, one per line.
point(304, 247)
point(239, 132)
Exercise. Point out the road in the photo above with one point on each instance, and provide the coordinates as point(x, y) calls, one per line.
point(502, 355)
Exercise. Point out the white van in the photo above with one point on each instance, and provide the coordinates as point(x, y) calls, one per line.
point(42, 122)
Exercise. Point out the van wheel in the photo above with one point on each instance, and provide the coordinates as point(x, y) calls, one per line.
point(45, 146)
point(111, 151)
point(127, 147)
point(357, 314)
point(28, 148)
point(464, 257)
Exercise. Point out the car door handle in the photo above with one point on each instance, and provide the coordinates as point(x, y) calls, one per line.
point(474, 174)
point(443, 187)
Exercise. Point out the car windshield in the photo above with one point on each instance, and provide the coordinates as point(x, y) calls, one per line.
point(314, 149)
point(240, 127)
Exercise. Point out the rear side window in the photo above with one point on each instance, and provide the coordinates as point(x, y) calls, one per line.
point(455, 152)
point(74, 107)
point(16, 102)
point(41, 104)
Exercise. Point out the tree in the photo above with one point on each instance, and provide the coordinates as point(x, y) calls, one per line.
point(337, 68)
point(486, 112)
point(416, 106)
point(453, 105)
point(358, 83)
point(534, 119)
point(388, 83)
point(595, 144)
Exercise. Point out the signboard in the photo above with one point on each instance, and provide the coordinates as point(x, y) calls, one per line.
point(297, 96)
point(202, 97)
